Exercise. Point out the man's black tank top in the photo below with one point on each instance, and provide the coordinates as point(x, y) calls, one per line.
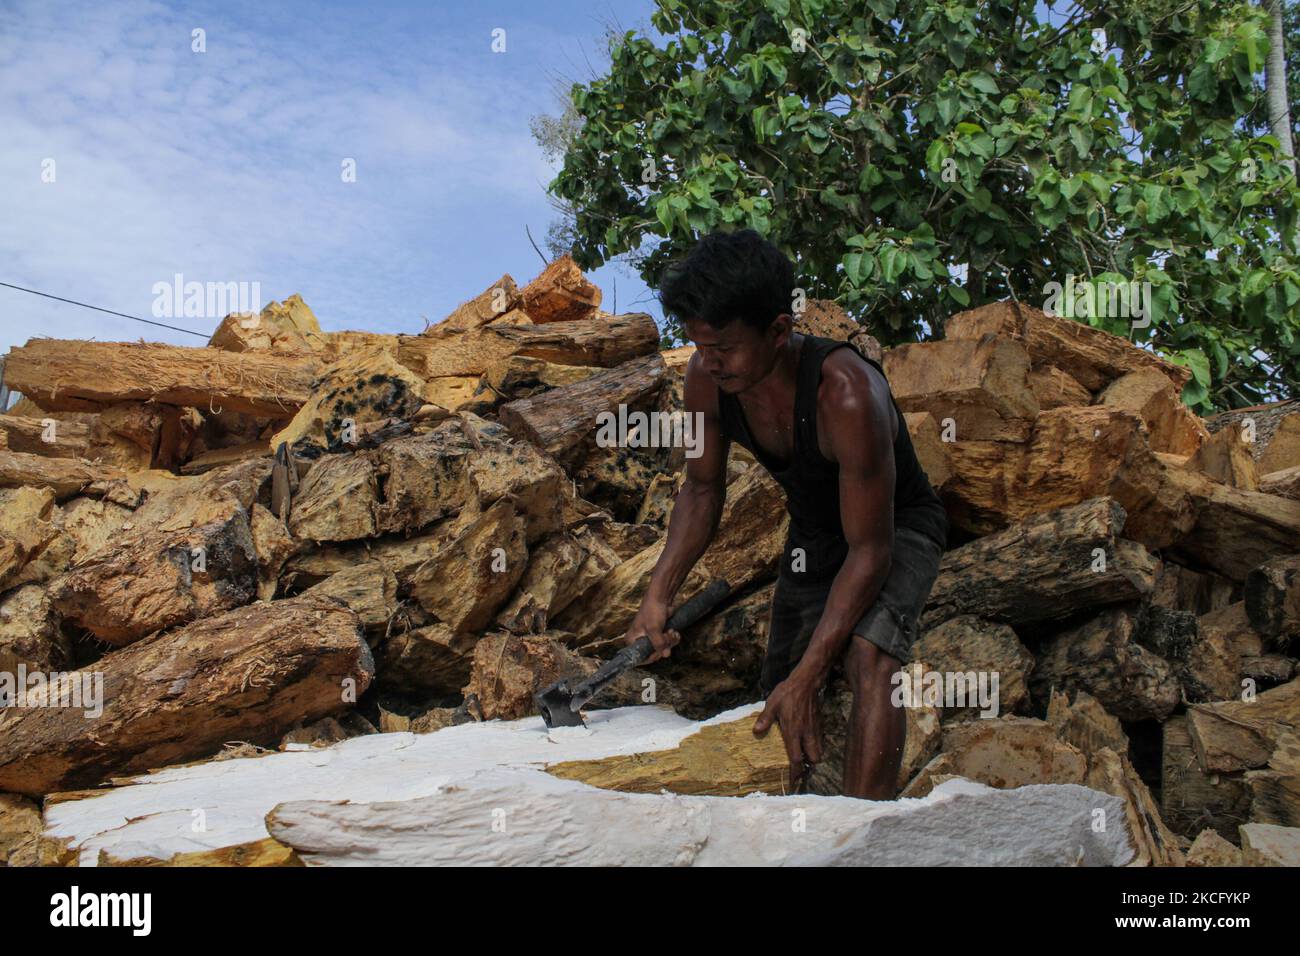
point(811, 482)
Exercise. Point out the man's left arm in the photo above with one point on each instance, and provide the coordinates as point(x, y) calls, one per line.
point(857, 424)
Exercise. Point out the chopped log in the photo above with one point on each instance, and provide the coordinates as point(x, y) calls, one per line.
point(26, 529)
point(282, 327)
point(78, 376)
point(1155, 844)
point(426, 660)
point(500, 468)
point(1242, 734)
point(969, 646)
point(65, 476)
point(1093, 357)
point(248, 674)
point(364, 386)
point(657, 504)
point(981, 385)
point(337, 500)
point(1265, 844)
point(1172, 427)
point(1084, 723)
point(20, 831)
point(273, 545)
point(1074, 454)
point(617, 479)
point(369, 589)
point(563, 421)
point(1273, 600)
point(1226, 459)
point(30, 633)
point(931, 449)
point(153, 580)
point(1210, 849)
point(452, 391)
point(1043, 569)
point(1103, 657)
point(467, 581)
point(174, 503)
point(1181, 589)
point(48, 436)
point(488, 306)
point(559, 569)
point(1002, 752)
point(826, 318)
point(561, 293)
point(1275, 790)
point(1204, 663)
point(1192, 798)
point(257, 448)
point(1284, 483)
point(1268, 668)
point(1282, 450)
point(519, 376)
point(1230, 628)
point(1054, 388)
point(1234, 531)
point(604, 341)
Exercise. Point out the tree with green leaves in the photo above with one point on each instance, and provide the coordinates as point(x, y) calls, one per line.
point(915, 157)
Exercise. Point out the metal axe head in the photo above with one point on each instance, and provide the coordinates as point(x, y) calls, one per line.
point(554, 704)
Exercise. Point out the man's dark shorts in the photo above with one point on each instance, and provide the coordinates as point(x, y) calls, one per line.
point(890, 623)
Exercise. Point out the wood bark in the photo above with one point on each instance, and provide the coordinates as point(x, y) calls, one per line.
point(249, 674)
point(560, 293)
point(80, 376)
point(1092, 357)
point(563, 421)
point(982, 385)
point(1242, 734)
point(1273, 600)
point(1045, 568)
point(65, 476)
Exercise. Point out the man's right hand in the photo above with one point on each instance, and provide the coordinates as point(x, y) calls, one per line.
point(649, 622)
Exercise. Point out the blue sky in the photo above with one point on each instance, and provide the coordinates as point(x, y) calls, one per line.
point(225, 166)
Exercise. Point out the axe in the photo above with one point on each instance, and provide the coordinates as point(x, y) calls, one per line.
point(559, 703)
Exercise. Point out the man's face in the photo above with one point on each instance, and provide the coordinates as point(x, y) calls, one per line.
point(738, 356)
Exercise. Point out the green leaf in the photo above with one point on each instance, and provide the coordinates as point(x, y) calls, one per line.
point(959, 295)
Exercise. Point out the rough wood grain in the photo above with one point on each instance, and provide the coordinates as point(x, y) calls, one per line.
point(982, 385)
point(1092, 357)
point(249, 674)
point(561, 293)
point(1045, 568)
point(65, 476)
point(562, 421)
point(70, 374)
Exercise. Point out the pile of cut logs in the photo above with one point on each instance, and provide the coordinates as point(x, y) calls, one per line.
point(291, 536)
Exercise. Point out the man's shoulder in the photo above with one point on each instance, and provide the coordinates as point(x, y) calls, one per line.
point(847, 377)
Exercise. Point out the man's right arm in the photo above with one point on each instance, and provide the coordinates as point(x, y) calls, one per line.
point(695, 515)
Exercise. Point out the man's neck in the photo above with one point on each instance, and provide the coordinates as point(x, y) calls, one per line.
point(782, 380)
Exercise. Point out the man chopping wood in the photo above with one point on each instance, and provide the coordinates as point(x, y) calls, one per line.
point(866, 528)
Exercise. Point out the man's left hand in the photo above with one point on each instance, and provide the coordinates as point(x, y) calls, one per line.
point(793, 704)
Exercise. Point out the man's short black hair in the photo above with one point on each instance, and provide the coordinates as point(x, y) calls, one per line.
point(726, 276)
